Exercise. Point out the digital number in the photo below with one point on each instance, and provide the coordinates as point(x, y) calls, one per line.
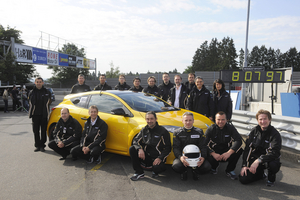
point(270, 74)
point(279, 72)
point(258, 72)
point(235, 76)
point(246, 74)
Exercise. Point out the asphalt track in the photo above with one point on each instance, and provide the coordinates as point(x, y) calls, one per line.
point(40, 175)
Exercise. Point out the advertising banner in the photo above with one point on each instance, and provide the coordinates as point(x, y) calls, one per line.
point(52, 58)
point(79, 62)
point(86, 63)
point(72, 61)
point(39, 56)
point(63, 60)
point(23, 53)
point(92, 64)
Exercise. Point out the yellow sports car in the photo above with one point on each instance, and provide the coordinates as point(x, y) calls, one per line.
point(124, 112)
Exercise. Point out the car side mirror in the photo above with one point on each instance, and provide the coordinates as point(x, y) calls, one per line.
point(118, 111)
point(76, 101)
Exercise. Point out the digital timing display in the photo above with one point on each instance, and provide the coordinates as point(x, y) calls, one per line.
point(253, 76)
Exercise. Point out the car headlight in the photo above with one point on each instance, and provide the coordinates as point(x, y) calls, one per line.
point(171, 128)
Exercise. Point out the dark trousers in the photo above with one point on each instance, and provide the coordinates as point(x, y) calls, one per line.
point(5, 105)
point(139, 165)
point(232, 161)
point(272, 167)
point(15, 103)
point(65, 151)
point(39, 123)
point(94, 152)
point(180, 168)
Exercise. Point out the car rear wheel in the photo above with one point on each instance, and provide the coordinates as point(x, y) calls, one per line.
point(51, 130)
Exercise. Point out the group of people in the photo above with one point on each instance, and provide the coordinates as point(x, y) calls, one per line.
point(192, 95)
point(14, 94)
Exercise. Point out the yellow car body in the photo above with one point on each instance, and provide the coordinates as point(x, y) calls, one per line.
point(123, 127)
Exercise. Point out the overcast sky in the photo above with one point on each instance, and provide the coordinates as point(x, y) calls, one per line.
point(154, 35)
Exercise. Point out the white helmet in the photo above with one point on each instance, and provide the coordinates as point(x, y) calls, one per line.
point(193, 153)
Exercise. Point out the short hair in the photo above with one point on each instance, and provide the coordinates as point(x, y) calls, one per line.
point(262, 111)
point(102, 75)
point(192, 74)
point(38, 78)
point(93, 107)
point(137, 78)
point(65, 108)
point(178, 76)
point(221, 113)
point(198, 77)
point(80, 75)
point(122, 75)
point(150, 78)
point(151, 113)
point(220, 82)
point(165, 73)
point(188, 113)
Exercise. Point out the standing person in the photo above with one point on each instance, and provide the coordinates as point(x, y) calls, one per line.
point(221, 98)
point(186, 135)
point(5, 99)
point(122, 85)
point(103, 85)
point(225, 145)
point(39, 102)
point(92, 143)
point(14, 95)
point(200, 100)
point(150, 148)
point(80, 86)
point(262, 151)
point(25, 98)
point(165, 87)
point(191, 81)
point(67, 134)
point(178, 93)
point(152, 88)
point(136, 85)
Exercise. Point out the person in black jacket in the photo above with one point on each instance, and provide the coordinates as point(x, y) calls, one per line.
point(150, 148)
point(67, 134)
point(188, 134)
point(92, 143)
point(136, 85)
point(39, 102)
point(165, 87)
point(179, 93)
point(221, 98)
point(225, 145)
point(102, 85)
point(262, 151)
point(200, 100)
point(122, 85)
point(191, 81)
point(80, 86)
point(152, 88)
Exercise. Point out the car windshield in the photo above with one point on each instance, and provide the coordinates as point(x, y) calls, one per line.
point(143, 102)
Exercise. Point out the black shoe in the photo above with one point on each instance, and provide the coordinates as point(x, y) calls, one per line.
point(136, 177)
point(232, 175)
point(74, 158)
point(195, 176)
point(98, 161)
point(36, 149)
point(183, 176)
point(154, 175)
point(42, 149)
point(270, 184)
point(63, 158)
point(214, 171)
point(91, 160)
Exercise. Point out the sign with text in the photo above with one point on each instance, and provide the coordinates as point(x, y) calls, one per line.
point(23, 53)
point(52, 58)
point(63, 60)
point(39, 56)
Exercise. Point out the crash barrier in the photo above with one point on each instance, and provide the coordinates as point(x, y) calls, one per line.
point(288, 127)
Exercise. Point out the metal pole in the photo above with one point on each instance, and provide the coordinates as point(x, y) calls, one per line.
point(245, 59)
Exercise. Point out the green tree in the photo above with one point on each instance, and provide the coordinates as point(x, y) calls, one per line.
point(66, 74)
point(114, 72)
point(10, 71)
point(189, 69)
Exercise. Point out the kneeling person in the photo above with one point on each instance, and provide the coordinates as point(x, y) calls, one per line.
point(67, 134)
point(150, 149)
point(225, 145)
point(184, 136)
point(93, 138)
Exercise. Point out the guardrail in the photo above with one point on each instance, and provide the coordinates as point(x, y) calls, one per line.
point(288, 127)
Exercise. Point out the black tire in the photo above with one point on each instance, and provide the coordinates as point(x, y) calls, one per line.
point(51, 129)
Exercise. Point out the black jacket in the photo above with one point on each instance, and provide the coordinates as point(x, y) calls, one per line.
point(40, 100)
point(165, 90)
point(103, 87)
point(152, 90)
point(201, 101)
point(77, 88)
point(189, 86)
point(221, 140)
point(183, 137)
point(122, 87)
point(265, 145)
point(133, 88)
point(184, 92)
point(94, 135)
point(223, 103)
point(155, 142)
point(67, 132)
